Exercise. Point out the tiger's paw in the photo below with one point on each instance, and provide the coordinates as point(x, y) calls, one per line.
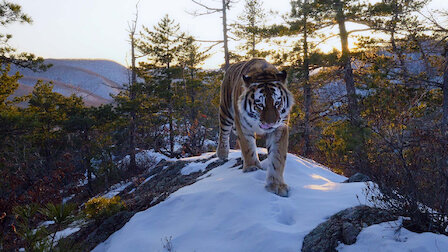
point(250, 168)
point(281, 189)
point(222, 153)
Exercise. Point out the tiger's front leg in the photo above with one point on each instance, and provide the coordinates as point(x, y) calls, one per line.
point(277, 145)
point(248, 150)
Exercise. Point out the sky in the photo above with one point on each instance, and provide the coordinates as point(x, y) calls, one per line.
point(98, 29)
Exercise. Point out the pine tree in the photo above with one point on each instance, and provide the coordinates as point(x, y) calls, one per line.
point(397, 19)
point(12, 13)
point(250, 28)
point(303, 23)
point(190, 57)
point(340, 12)
point(162, 46)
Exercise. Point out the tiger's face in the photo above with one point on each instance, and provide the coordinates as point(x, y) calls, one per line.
point(265, 105)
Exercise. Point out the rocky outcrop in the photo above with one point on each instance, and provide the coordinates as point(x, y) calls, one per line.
point(358, 177)
point(343, 227)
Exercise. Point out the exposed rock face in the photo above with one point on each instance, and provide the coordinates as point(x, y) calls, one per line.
point(343, 227)
point(358, 177)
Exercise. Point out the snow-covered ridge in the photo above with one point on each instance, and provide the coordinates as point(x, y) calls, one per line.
point(228, 210)
point(94, 80)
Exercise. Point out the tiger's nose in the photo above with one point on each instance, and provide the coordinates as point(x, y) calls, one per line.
point(271, 117)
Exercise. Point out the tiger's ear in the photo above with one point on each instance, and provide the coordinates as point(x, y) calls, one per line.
point(282, 76)
point(247, 79)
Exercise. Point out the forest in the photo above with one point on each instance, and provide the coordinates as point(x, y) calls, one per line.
point(379, 108)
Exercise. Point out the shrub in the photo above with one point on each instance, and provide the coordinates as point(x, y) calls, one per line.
point(100, 208)
point(33, 239)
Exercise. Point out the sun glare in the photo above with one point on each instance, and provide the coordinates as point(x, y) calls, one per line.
point(328, 186)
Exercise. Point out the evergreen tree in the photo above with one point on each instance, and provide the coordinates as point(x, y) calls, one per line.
point(250, 28)
point(190, 57)
point(162, 46)
point(340, 12)
point(12, 13)
point(304, 23)
point(397, 19)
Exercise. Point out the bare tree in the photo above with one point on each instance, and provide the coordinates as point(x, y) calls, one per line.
point(133, 82)
point(211, 10)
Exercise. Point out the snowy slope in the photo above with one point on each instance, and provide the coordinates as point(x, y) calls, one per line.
point(94, 80)
point(228, 210)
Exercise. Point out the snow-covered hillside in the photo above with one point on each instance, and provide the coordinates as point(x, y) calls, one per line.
point(94, 80)
point(228, 210)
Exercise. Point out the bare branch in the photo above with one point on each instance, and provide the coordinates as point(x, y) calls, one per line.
point(211, 46)
point(206, 7)
point(360, 30)
point(197, 14)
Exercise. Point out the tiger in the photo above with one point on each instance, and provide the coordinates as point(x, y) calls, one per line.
point(255, 100)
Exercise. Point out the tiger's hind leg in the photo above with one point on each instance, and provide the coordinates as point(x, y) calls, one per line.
point(225, 126)
point(277, 145)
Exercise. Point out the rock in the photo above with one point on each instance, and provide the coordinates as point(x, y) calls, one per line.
point(349, 232)
point(108, 227)
point(343, 227)
point(358, 177)
point(93, 233)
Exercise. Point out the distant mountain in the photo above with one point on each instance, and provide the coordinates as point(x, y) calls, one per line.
point(94, 80)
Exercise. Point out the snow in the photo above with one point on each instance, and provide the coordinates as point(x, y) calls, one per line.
point(116, 189)
point(85, 180)
point(228, 210)
point(201, 157)
point(195, 167)
point(146, 158)
point(66, 232)
point(46, 223)
point(66, 199)
point(389, 237)
point(147, 179)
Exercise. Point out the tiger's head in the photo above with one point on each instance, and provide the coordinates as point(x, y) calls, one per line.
point(266, 102)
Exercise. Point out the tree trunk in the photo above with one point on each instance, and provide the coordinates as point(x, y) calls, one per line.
point(400, 55)
point(395, 49)
point(170, 115)
point(132, 162)
point(224, 29)
point(348, 71)
point(360, 155)
point(306, 88)
point(86, 161)
point(444, 127)
point(253, 45)
point(170, 111)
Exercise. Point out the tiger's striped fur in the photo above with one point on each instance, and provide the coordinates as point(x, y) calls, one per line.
point(255, 100)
